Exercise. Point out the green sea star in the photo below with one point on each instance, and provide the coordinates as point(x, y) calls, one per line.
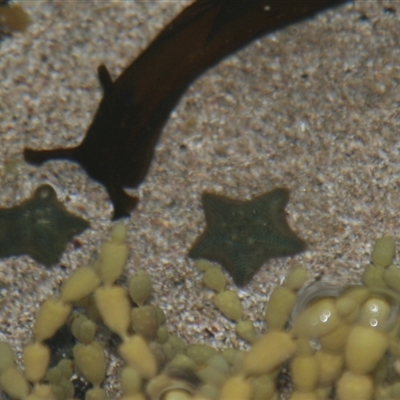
point(243, 235)
point(40, 227)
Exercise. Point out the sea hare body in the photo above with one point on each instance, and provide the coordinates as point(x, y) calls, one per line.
point(119, 144)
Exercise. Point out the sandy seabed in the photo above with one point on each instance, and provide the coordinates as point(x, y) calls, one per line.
point(314, 108)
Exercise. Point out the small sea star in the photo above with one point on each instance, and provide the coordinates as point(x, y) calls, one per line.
point(243, 235)
point(40, 227)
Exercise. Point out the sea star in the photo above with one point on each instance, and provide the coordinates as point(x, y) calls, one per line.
point(243, 235)
point(40, 227)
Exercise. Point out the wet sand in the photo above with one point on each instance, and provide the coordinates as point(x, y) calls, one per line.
point(314, 108)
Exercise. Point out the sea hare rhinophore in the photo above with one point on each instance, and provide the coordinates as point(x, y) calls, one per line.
point(119, 144)
point(40, 227)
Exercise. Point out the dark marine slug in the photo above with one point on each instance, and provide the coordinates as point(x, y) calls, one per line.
point(119, 144)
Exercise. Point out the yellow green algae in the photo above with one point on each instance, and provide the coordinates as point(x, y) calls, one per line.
point(335, 340)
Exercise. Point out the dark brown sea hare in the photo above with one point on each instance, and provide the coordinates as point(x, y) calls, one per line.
point(119, 144)
point(40, 227)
